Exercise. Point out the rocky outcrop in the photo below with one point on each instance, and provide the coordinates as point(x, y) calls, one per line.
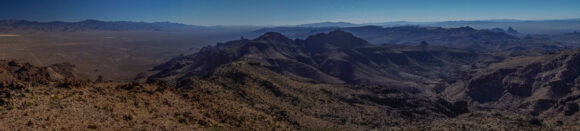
point(532, 84)
point(512, 31)
point(14, 74)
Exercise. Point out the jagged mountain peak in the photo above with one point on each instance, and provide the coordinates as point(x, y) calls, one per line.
point(424, 43)
point(337, 38)
point(275, 36)
point(511, 30)
point(340, 33)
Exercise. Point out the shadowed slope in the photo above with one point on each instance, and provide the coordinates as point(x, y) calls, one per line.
point(546, 85)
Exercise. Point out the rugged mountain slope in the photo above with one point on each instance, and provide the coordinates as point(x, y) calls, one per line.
point(263, 73)
point(303, 81)
point(55, 97)
point(238, 96)
point(309, 105)
point(546, 85)
point(336, 57)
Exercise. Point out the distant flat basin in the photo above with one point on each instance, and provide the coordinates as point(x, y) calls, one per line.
point(9, 35)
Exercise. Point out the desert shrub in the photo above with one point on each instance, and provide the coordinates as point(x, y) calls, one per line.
point(127, 117)
point(571, 108)
point(129, 86)
point(92, 126)
point(12, 84)
point(536, 122)
point(70, 83)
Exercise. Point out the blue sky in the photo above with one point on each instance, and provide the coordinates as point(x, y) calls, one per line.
point(286, 12)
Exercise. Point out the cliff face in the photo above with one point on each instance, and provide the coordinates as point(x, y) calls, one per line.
point(530, 84)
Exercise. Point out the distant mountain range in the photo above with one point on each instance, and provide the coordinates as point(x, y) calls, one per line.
point(329, 24)
point(97, 25)
point(523, 26)
point(87, 25)
point(462, 37)
point(468, 38)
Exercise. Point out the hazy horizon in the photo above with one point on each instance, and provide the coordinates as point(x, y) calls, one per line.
point(275, 13)
point(315, 22)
